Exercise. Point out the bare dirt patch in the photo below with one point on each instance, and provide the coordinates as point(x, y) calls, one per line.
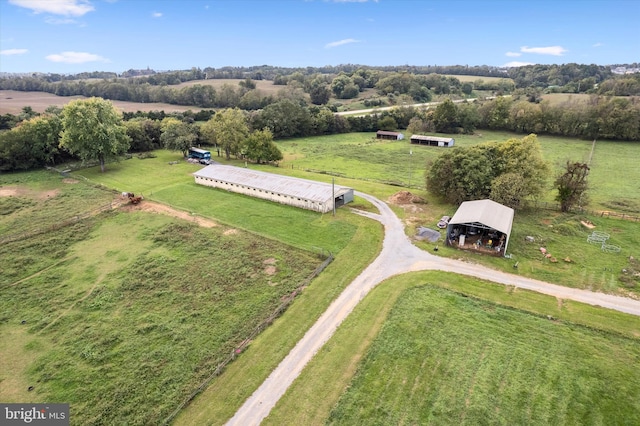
point(19, 191)
point(230, 232)
point(153, 207)
point(411, 204)
point(9, 192)
point(406, 197)
point(69, 180)
point(270, 266)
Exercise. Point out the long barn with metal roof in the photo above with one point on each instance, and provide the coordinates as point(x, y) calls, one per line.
point(303, 193)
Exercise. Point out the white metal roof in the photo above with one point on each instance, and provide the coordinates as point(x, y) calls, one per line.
point(201, 151)
point(486, 212)
point(287, 185)
point(431, 138)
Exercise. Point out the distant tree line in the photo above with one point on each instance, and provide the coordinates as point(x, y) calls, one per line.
point(33, 139)
point(317, 86)
point(317, 89)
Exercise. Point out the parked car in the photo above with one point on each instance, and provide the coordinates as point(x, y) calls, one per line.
point(444, 221)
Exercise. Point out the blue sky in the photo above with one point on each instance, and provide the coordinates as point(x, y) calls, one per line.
point(71, 36)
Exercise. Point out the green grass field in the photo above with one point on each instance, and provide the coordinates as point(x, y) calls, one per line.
point(445, 358)
point(123, 315)
point(613, 178)
point(92, 306)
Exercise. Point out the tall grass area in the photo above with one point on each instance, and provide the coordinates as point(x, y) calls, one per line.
point(445, 358)
point(43, 200)
point(124, 315)
point(227, 393)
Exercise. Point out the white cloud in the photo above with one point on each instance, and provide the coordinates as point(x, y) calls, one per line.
point(340, 43)
point(514, 64)
point(549, 50)
point(513, 54)
point(76, 57)
point(598, 44)
point(59, 21)
point(56, 7)
point(156, 15)
point(13, 52)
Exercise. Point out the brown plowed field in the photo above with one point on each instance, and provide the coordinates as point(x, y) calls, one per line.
point(12, 101)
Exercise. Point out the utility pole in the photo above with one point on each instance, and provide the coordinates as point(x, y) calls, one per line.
point(333, 194)
point(410, 166)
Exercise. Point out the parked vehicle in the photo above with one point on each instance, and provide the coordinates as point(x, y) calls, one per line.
point(444, 221)
point(199, 154)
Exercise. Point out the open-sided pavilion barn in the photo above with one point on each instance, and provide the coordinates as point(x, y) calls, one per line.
point(303, 193)
point(384, 134)
point(481, 225)
point(431, 140)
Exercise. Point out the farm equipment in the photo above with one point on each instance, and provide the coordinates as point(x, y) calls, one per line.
point(133, 198)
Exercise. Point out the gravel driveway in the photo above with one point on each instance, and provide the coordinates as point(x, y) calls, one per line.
point(398, 255)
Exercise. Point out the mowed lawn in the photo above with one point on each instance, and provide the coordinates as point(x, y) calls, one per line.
point(445, 358)
point(174, 184)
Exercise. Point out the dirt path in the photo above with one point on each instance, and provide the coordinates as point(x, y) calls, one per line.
point(398, 255)
point(153, 207)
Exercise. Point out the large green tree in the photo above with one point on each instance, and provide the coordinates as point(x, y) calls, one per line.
point(344, 87)
point(227, 129)
point(445, 117)
point(508, 172)
point(285, 119)
point(259, 147)
point(177, 135)
point(523, 157)
point(144, 133)
point(93, 130)
point(41, 136)
point(459, 175)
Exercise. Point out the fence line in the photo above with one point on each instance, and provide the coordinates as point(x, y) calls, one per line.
point(257, 330)
point(345, 176)
point(537, 204)
point(602, 213)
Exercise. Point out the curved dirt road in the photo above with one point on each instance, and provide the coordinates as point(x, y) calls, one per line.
point(397, 256)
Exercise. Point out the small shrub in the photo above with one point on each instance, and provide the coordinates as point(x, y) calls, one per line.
point(144, 155)
point(568, 229)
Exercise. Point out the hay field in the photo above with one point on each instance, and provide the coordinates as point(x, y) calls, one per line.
point(265, 86)
point(12, 102)
point(472, 78)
